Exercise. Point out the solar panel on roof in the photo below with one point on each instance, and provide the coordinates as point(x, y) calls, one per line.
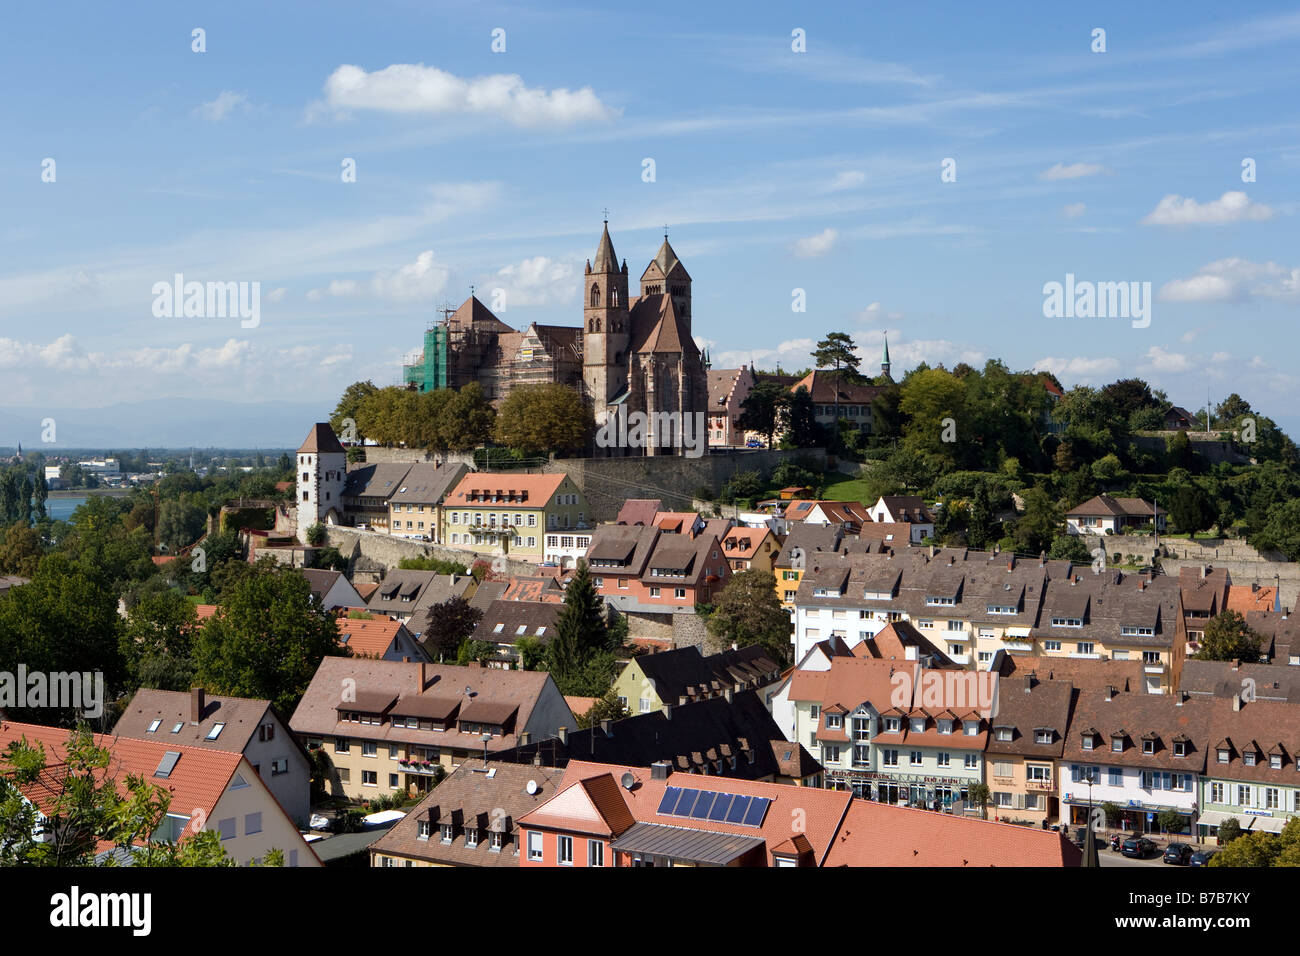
point(686, 802)
point(703, 805)
point(757, 810)
point(738, 808)
point(670, 797)
point(720, 807)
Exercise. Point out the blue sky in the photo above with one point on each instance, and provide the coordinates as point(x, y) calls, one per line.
point(774, 170)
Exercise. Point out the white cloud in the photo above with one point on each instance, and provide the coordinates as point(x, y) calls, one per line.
point(1234, 279)
point(419, 89)
point(875, 312)
point(65, 354)
point(1074, 210)
point(227, 102)
point(1072, 171)
point(276, 295)
point(1232, 206)
point(848, 179)
point(1219, 357)
point(1162, 360)
point(416, 281)
point(538, 281)
point(1079, 368)
point(817, 245)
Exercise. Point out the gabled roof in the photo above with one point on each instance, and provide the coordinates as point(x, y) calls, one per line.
point(502, 620)
point(473, 314)
point(321, 440)
point(540, 489)
point(368, 638)
point(427, 483)
point(878, 834)
point(820, 384)
point(375, 481)
point(240, 717)
point(665, 331)
point(638, 511)
point(1108, 507)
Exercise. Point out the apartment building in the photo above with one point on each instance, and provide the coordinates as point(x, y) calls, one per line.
point(1026, 740)
point(387, 726)
point(645, 569)
point(510, 513)
point(414, 507)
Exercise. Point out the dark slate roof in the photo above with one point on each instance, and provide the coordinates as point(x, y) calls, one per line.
point(712, 730)
point(321, 440)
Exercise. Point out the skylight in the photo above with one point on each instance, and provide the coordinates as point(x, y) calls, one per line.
point(216, 730)
point(154, 726)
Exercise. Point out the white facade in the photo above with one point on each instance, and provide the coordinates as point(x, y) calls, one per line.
point(319, 495)
point(1133, 789)
point(564, 549)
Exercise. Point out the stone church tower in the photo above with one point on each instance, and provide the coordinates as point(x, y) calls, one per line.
point(606, 328)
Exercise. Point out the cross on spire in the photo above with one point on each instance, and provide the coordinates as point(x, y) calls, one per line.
point(606, 213)
point(665, 232)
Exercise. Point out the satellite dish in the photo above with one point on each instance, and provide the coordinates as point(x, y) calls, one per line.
point(628, 780)
point(531, 787)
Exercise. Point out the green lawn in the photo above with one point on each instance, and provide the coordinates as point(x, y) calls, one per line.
point(840, 487)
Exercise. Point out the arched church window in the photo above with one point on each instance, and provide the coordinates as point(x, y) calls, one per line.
point(595, 295)
point(613, 297)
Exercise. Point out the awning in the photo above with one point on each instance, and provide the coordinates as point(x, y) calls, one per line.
point(1250, 823)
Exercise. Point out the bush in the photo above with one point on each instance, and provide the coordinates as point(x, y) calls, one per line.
point(316, 535)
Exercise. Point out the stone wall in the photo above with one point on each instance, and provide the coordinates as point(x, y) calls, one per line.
point(379, 455)
point(388, 550)
point(607, 482)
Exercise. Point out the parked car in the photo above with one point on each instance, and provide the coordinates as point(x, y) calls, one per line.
point(1138, 847)
point(1201, 858)
point(1179, 854)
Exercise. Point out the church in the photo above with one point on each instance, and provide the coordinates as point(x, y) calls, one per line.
point(638, 355)
point(632, 357)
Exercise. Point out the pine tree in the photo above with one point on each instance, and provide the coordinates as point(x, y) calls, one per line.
point(580, 631)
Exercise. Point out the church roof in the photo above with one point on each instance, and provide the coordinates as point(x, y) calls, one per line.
point(664, 329)
point(606, 261)
point(664, 262)
point(474, 314)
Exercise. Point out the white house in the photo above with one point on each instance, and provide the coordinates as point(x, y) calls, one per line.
point(906, 509)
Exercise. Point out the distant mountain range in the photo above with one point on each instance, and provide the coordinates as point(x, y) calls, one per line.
point(164, 423)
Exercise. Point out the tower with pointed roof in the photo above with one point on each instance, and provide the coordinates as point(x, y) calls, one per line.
point(322, 467)
point(606, 327)
point(884, 359)
point(666, 275)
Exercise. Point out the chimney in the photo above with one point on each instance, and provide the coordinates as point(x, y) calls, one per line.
point(668, 711)
point(660, 770)
point(605, 725)
point(1202, 572)
point(1042, 559)
point(1182, 698)
point(1011, 563)
point(537, 759)
point(198, 700)
point(525, 736)
point(405, 659)
point(424, 678)
point(1236, 702)
point(683, 700)
point(932, 551)
point(563, 734)
point(728, 694)
point(1111, 691)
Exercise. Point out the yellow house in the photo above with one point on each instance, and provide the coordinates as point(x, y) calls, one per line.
point(510, 513)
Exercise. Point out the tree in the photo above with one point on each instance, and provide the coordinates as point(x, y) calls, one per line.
point(608, 707)
point(1229, 830)
point(838, 351)
point(761, 410)
point(25, 492)
point(536, 419)
point(20, 551)
point(1067, 547)
point(181, 522)
point(63, 621)
point(980, 795)
point(42, 493)
point(350, 405)
point(158, 640)
point(1171, 821)
point(531, 651)
point(1039, 524)
point(1229, 638)
point(580, 637)
point(1251, 849)
point(1280, 530)
point(982, 527)
point(439, 565)
point(934, 402)
point(316, 534)
point(749, 612)
point(1191, 509)
point(466, 420)
point(267, 638)
point(801, 428)
point(450, 623)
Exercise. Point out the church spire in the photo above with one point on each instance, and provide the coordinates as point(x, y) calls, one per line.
point(884, 358)
point(606, 261)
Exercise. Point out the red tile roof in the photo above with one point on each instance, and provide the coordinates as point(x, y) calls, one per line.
point(878, 834)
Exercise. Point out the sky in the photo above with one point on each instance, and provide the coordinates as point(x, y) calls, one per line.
point(925, 171)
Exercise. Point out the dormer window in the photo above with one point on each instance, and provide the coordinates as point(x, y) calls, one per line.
point(1148, 746)
point(945, 726)
point(1180, 748)
point(972, 727)
point(1117, 744)
point(425, 829)
point(1249, 758)
point(1088, 741)
point(892, 725)
point(918, 725)
point(471, 837)
point(1067, 622)
point(446, 831)
point(1275, 761)
point(933, 599)
point(1003, 734)
point(1223, 756)
point(1044, 735)
point(834, 721)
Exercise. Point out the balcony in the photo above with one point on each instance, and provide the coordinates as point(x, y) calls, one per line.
point(962, 659)
point(1153, 667)
point(1025, 646)
point(1040, 785)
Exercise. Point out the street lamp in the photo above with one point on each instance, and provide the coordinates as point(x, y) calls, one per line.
point(1088, 778)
